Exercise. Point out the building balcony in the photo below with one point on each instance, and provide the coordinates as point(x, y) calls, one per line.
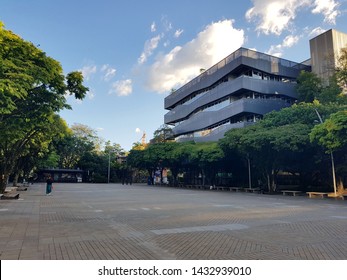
point(249, 58)
point(215, 134)
point(203, 120)
point(230, 88)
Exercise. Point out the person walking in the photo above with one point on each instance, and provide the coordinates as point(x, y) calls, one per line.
point(49, 185)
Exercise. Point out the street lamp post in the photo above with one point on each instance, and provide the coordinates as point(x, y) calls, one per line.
point(331, 157)
point(249, 172)
point(109, 167)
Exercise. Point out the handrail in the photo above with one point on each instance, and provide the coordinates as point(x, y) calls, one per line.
point(236, 54)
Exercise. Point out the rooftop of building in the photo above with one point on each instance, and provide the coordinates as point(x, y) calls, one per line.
point(236, 54)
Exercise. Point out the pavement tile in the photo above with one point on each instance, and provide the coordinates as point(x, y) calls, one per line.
point(139, 222)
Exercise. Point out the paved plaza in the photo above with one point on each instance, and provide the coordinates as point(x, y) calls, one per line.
point(114, 221)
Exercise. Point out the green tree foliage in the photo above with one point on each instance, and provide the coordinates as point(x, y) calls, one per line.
point(162, 134)
point(279, 142)
point(178, 157)
point(36, 148)
point(331, 93)
point(88, 135)
point(332, 134)
point(342, 70)
point(309, 86)
point(32, 89)
point(206, 157)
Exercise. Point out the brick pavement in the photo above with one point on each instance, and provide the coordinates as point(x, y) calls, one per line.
point(96, 221)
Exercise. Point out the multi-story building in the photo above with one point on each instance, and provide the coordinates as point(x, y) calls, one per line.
point(234, 93)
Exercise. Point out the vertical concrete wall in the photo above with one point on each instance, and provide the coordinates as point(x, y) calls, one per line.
point(325, 50)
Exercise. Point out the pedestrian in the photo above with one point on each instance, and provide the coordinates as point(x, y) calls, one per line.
point(49, 185)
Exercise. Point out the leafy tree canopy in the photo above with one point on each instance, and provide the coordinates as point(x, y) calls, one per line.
point(332, 133)
point(32, 89)
point(26, 72)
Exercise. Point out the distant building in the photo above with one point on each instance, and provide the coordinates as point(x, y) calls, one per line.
point(241, 88)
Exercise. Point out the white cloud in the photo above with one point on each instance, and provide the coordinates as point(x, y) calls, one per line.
point(178, 33)
point(276, 50)
point(329, 8)
point(289, 41)
point(276, 16)
point(153, 27)
point(108, 72)
point(150, 46)
point(316, 31)
point(167, 25)
point(90, 94)
point(137, 130)
point(88, 71)
point(166, 43)
point(182, 63)
point(122, 88)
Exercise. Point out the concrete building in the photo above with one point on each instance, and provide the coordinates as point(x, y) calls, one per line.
point(235, 92)
point(325, 51)
point(240, 89)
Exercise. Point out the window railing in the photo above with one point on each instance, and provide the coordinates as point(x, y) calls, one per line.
point(233, 56)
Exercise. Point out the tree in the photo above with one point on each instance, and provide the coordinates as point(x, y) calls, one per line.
point(36, 148)
point(162, 134)
point(278, 142)
point(332, 133)
point(177, 158)
point(206, 157)
point(32, 89)
point(70, 150)
point(342, 70)
point(332, 93)
point(309, 86)
point(170, 155)
point(137, 159)
point(87, 134)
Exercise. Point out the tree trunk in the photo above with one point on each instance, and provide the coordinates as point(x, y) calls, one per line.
point(174, 176)
point(15, 179)
point(3, 182)
point(271, 181)
point(203, 176)
point(268, 180)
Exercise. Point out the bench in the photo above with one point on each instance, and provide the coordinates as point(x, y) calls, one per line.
point(222, 188)
point(317, 194)
point(342, 195)
point(252, 190)
point(10, 196)
point(235, 189)
point(201, 187)
point(293, 193)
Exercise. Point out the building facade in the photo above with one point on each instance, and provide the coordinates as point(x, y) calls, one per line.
point(234, 93)
point(240, 89)
point(325, 51)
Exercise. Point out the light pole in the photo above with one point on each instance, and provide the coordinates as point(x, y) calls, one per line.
point(331, 157)
point(249, 172)
point(109, 166)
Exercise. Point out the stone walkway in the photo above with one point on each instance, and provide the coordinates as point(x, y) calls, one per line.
point(96, 221)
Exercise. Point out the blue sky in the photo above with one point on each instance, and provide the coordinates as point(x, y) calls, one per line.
point(132, 53)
